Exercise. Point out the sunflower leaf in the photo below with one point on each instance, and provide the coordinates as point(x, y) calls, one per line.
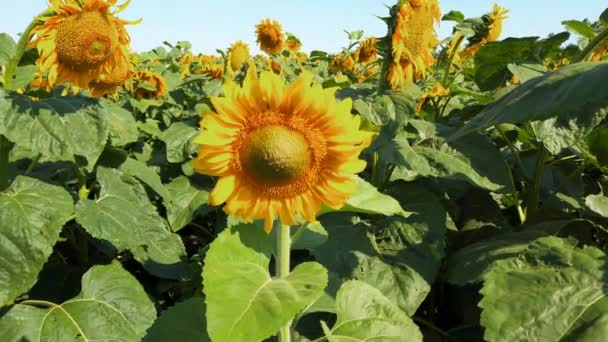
point(112, 306)
point(184, 322)
point(32, 214)
point(244, 303)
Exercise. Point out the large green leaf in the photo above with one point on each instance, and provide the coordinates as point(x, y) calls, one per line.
point(32, 214)
point(178, 138)
point(183, 322)
point(7, 48)
point(592, 326)
point(122, 126)
point(365, 314)
point(244, 303)
point(145, 174)
point(124, 216)
point(574, 89)
point(402, 258)
point(112, 306)
point(542, 293)
point(598, 204)
point(368, 200)
point(581, 28)
point(58, 128)
point(187, 199)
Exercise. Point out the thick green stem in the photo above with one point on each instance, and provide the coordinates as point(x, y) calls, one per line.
point(282, 268)
point(11, 67)
point(444, 81)
point(5, 150)
point(534, 190)
point(591, 46)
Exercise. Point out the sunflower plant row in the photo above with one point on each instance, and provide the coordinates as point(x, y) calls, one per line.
point(404, 188)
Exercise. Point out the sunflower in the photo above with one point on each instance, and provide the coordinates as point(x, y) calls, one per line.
point(270, 36)
point(438, 90)
point(108, 83)
point(82, 40)
point(413, 40)
point(145, 84)
point(293, 44)
point(238, 55)
point(367, 51)
point(211, 66)
point(600, 52)
point(280, 150)
point(343, 62)
point(301, 57)
point(494, 29)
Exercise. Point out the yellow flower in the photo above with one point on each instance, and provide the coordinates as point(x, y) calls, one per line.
point(343, 62)
point(451, 48)
point(238, 55)
point(600, 52)
point(292, 44)
point(270, 36)
point(280, 150)
point(496, 18)
point(412, 41)
point(81, 41)
point(437, 90)
point(211, 66)
point(109, 83)
point(367, 51)
point(146, 84)
point(301, 57)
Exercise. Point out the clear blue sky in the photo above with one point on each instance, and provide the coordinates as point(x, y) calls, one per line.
point(319, 24)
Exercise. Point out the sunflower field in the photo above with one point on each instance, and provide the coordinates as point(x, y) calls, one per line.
point(405, 188)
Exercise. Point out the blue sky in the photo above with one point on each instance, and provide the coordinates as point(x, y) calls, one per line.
point(212, 24)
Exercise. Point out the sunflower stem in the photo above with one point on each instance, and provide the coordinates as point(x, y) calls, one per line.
point(5, 150)
point(444, 81)
point(11, 67)
point(591, 46)
point(282, 268)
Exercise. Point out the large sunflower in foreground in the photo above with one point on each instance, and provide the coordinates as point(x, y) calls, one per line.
point(270, 36)
point(495, 20)
point(81, 41)
point(413, 40)
point(280, 150)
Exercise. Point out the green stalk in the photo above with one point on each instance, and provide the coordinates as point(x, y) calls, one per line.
point(11, 67)
point(5, 150)
point(591, 46)
point(387, 59)
point(444, 81)
point(534, 190)
point(282, 268)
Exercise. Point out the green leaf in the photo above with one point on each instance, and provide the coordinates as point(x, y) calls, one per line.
point(561, 132)
point(573, 89)
point(145, 174)
point(527, 71)
point(401, 257)
point(598, 204)
point(112, 306)
point(244, 303)
point(124, 216)
point(368, 200)
point(24, 75)
point(592, 325)
point(604, 17)
point(491, 60)
point(365, 314)
point(7, 48)
point(32, 215)
point(540, 294)
point(581, 28)
point(57, 128)
point(122, 126)
point(184, 322)
point(178, 138)
point(456, 16)
point(187, 199)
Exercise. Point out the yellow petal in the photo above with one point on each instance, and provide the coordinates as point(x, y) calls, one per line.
point(223, 189)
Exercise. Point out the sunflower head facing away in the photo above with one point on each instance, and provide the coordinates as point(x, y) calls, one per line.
point(494, 21)
point(238, 55)
point(367, 51)
point(81, 41)
point(270, 36)
point(109, 83)
point(145, 84)
point(280, 151)
point(413, 40)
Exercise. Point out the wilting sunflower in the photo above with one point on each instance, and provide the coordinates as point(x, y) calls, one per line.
point(413, 40)
point(437, 90)
point(367, 51)
point(600, 52)
point(343, 62)
point(108, 83)
point(280, 150)
point(238, 55)
point(145, 84)
point(82, 40)
point(270, 36)
point(292, 44)
point(210, 65)
point(494, 29)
